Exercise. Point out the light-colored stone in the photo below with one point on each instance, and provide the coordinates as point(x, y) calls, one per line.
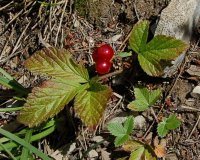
point(178, 18)
point(140, 122)
point(93, 154)
point(196, 90)
point(171, 156)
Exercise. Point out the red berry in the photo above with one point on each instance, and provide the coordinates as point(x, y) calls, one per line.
point(105, 52)
point(95, 55)
point(103, 67)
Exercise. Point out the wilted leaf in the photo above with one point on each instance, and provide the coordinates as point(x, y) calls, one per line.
point(159, 48)
point(132, 145)
point(144, 99)
point(57, 63)
point(46, 101)
point(160, 151)
point(90, 104)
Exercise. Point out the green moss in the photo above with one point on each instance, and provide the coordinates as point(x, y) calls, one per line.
point(82, 7)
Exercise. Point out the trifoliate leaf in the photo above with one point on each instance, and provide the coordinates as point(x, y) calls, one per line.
point(121, 131)
point(137, 154)
point(139, 150)
point(172, 122)
point(128, 125)
point(57, 63)
point(46, 101)
point(162, 129)
point(116, 129)
point(121, 140)
point(144, 99)
point(159, 48)
point(90, 104)
point(139, 35)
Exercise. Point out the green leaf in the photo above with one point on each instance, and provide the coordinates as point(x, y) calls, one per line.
point(46, 101)
point(159, 48)
point(144, 99)
point(163, 47)
point(121, 131)
point(90, 103)
point(121, 140)
point(172, 122)
point(137, 154)
point(117, 129)
point(139, 35)
point(128, 125)
point(58, 64)
point(162, 129)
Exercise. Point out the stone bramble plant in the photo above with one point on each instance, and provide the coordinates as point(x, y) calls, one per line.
point(70, 81)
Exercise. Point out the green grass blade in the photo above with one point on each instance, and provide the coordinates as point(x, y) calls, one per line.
point(8, 81)
point(24, 143)
point(12, 109)
point(36, 137)
point(8, 76)
point(5, 82)
point(43, 131)
point(8, 152)
point(25, 151)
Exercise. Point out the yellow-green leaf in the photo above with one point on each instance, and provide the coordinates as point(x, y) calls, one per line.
point(90, 103)
point(132, 145)
point(150, 65)
point(163, 47)
point(138, 154)
point(58, 64)
point(139, 35)
point(46, 101)
point(149, 155)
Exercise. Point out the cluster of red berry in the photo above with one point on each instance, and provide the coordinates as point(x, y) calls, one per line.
point(102, 57)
